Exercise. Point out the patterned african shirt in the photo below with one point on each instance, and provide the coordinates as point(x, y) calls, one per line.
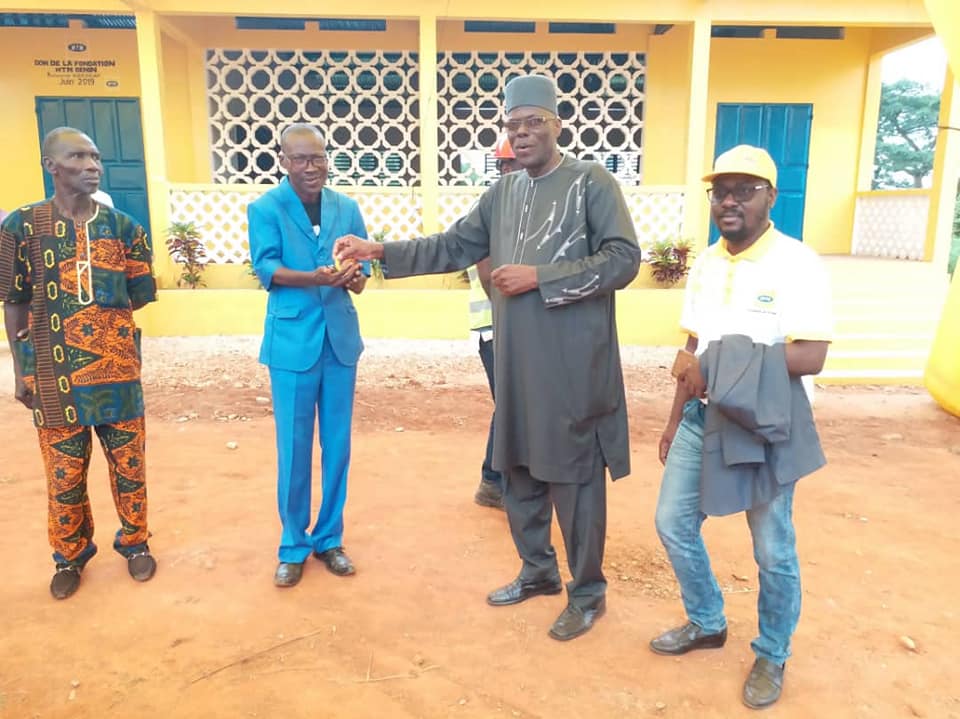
point(82, 281)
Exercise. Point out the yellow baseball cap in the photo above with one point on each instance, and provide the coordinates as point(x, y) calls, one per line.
point(745, 160)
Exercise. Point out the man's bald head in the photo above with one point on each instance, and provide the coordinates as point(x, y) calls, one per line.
point(54, 140)
point(298, 130)
point(73, 161)
point(303, 154)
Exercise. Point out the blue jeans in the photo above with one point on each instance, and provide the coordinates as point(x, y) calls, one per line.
point(679, 521)
point(487, 472)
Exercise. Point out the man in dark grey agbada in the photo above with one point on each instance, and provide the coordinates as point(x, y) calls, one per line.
point(560, 241)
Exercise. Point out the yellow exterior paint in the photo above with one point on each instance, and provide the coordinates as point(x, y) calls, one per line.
point(219, 31)
point(688, 73)
point(942, 376)
point(429, 146)
point(23, 80)
point(887, 39)
point(152, 111)
point(945, 15)
point(828, 12)
point(869, 122)
point(830, 74)
point(833, 76)
point(184, 103)
point(629, 37)
point(698, 118)
point(667, 109)
point(644, 317)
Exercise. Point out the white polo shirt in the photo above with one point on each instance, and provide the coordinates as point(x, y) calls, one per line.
point(777, 290)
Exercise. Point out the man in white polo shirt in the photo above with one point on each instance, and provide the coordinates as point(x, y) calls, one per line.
point(772, 288)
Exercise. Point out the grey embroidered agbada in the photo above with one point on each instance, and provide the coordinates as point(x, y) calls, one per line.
point(560, 396)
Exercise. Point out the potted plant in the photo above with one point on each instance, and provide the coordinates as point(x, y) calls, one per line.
point(669, 260)
point(376, 268)
point(187, 250)
point(251, 273)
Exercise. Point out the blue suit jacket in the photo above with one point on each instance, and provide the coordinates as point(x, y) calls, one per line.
point(298, 318)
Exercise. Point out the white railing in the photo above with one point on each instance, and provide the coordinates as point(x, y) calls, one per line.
point(891, 223)
point(220, 211)
point(657, 211)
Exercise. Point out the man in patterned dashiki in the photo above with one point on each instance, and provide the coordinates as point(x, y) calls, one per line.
point(560, 241)
point(72, 271)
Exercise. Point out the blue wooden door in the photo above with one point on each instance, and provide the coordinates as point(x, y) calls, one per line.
point(114, 125)
point(784, 132)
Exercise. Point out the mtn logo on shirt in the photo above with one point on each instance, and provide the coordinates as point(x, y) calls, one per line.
point(765, 303)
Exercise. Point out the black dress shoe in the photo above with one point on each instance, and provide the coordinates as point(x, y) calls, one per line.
point(518, 590)
point(288, 574)
point(574, 621)
point(763, 684)
point(66, 581)
point(142, 566)
point(337, 561)
point(687, 638)
point(489, 494)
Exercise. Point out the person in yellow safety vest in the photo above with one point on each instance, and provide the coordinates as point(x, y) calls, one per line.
point(490, 491)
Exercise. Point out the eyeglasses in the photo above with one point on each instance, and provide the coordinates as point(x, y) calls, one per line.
point(301, 161)
point(741, 193)
point(534, 122)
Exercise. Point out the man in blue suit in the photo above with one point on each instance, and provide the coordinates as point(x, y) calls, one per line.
point(311, 343)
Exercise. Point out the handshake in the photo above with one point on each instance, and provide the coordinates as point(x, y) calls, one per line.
point(508, 279)
point(352, 248)
point(346, 271)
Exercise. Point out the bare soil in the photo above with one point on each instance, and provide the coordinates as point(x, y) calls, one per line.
point(411, 635)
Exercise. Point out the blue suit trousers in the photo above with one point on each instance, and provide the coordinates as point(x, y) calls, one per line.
point(299, 398)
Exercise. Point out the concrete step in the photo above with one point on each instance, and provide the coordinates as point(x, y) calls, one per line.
point(881, 341)
point(913, 377)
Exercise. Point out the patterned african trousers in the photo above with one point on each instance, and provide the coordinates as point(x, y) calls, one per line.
point(66, 455)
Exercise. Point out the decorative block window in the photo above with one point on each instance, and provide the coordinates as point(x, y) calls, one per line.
point(601, 98)
point(366, 102)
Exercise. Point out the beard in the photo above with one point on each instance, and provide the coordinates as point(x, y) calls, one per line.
point(735, 237)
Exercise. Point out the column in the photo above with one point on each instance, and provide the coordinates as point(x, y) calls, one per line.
point(429, 162)
point(946, 165)
point(151, 109)
point(695, 216)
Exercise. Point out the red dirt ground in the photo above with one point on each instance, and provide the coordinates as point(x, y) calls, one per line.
point(410, 635)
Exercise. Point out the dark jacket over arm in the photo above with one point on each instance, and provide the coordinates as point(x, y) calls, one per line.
point(759, 433)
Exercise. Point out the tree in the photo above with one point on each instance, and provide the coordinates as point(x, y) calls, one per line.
point(906, 134)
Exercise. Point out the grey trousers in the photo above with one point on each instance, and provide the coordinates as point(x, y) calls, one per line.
point(582, 516)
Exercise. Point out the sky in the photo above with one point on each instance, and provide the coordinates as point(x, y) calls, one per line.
point(924, 61)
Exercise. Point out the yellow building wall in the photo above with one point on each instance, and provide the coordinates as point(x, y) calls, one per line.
point(829, 74)
point(667, 107)
point(35, 63)
point(186, 112)
point(185, 104)
point(644, 317)
point(183, 111)
point(629, 37)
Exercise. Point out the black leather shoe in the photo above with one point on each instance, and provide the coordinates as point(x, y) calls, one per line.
point(518, 590)
point(288, 574)
point(763, 684)
point(142, 566)
point(574, 621)
point(66, 581)
point(488, 494)
point(337, 561)
point(687, 638)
